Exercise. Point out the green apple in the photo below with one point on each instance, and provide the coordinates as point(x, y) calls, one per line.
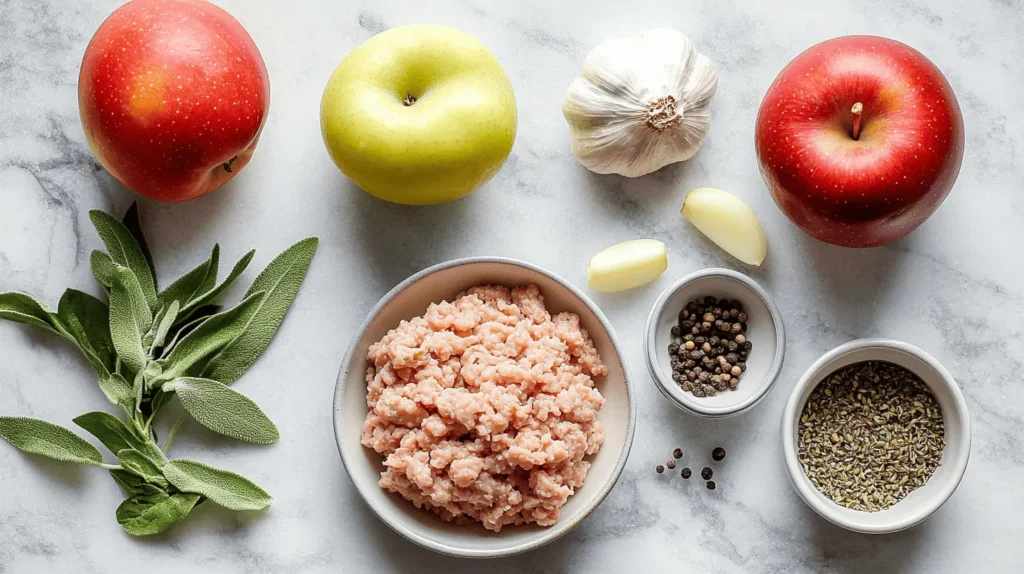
point(419, 115)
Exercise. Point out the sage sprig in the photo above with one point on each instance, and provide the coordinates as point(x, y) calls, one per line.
point(147, 346)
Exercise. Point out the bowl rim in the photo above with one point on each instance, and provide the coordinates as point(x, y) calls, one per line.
point(826, 508)
point(551, 533)
point(669, 389)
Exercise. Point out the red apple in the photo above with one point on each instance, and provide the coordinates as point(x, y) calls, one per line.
point(173, 95)
point(859, 140)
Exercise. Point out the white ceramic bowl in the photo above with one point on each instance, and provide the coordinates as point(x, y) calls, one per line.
point(919, 504)
point(410, 299)
point(764, 329)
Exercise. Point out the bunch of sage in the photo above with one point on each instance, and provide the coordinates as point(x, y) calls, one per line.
point(149, 345)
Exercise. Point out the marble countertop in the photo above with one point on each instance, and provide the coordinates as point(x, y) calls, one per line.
point(952, 287)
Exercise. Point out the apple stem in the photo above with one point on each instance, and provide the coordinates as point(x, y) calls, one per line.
point(856, 111)
point(227, 164)
point(409, 99)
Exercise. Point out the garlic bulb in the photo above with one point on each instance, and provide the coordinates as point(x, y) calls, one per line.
point(640, 103)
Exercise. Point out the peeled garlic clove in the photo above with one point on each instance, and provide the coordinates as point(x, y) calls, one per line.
point(728, 221)
point(627, 265)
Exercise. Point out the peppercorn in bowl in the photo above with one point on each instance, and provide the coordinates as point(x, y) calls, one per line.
point(876, 436)
point(715, 343)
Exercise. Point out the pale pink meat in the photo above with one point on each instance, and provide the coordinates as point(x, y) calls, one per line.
point(484, 408)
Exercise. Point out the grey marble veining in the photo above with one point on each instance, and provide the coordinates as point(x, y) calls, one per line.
point(954, 287)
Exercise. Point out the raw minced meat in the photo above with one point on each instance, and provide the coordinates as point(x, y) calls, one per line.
point(485, 407)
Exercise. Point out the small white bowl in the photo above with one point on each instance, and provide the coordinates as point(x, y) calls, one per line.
point(919, 504)
point(764, 329)
point(410, 299)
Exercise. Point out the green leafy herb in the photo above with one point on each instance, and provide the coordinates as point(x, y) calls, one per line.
point(280, 281)
point(212, 294)
point(130, 319)
point(46, 439)
point(125, 250)
point(148, 346)
point(220, 486)
point(22, 308)
point(209, 337)
point(115, 435)
point(87, 320)
point(142, 466)
point(194, 283)
point(103, 268)
point(118, 391)
point(224, 410)
point(151, 510)
point(133, 224)
point(166, 322)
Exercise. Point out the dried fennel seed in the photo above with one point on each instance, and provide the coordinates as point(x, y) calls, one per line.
point(870, 434)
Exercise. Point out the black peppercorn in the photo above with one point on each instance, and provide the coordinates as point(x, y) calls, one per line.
point(733, 346)
point(660, 469)
point(692, 306)
point(747, 346)
point(686, 325)
point(677, 377)
point(714, 341)
point(676, 332)
point(685, 473)
point(700, 340)
point(677, 453)
point(742, 317)
point(673, 348)
point(709, 300)
point(706, 473)
point(718, 454)
point(671, 464)
point(711, 485)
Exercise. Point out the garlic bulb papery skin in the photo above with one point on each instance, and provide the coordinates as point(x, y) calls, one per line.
point(640, 103)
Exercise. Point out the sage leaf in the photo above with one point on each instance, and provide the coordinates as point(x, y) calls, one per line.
point(87, 319)
point(128, 482)
point(224, 410)
point(130, 319)
point(236, 272)
point(46, 439)
point(166, 321)
point(194, 283)
point(116, 436)
point(22, 308)
point(125, 250)
point(223, 487)
point(280, 281)
point(209, 337)
point(103, 269)
point(142, 466)
point(133, 224)
point(200, 315)
point(150, 510)
point(118, 391)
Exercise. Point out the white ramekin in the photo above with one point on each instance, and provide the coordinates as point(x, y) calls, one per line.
point(919, 504)
point(764, 329)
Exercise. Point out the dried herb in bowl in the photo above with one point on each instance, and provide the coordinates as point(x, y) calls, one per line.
point(870, 434)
